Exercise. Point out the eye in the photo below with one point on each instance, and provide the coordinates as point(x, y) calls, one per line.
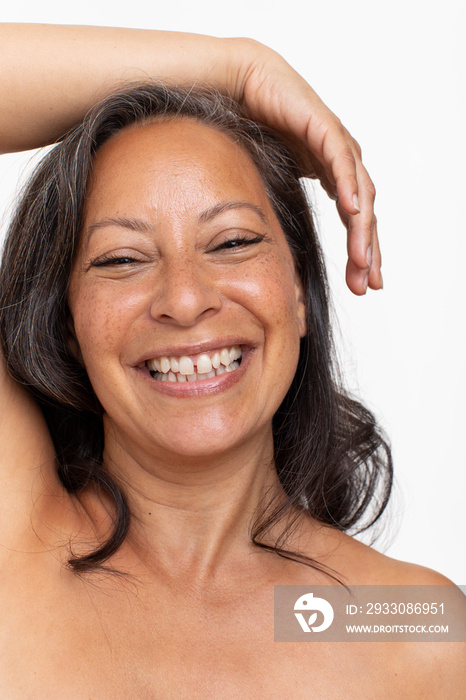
point(238, 241)
point(113, 260)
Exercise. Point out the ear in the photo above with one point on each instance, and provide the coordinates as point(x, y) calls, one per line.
point(300, 305)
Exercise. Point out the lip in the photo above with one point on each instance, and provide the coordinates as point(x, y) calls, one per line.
point(195, 349)
point(204, 387)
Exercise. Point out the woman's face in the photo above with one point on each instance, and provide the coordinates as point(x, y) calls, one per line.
point(181, 260)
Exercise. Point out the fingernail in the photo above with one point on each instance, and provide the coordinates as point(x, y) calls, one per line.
point(381, 281)
point(366, 282)
point(356, 202)
point(369, 256)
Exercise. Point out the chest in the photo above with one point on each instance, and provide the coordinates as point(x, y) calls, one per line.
point(114, 644)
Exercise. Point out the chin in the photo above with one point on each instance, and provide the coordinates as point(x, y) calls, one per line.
point(199, 448)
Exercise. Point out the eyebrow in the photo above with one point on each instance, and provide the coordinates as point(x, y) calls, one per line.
point(142, 226)
point(123, 222)
point(221, 207)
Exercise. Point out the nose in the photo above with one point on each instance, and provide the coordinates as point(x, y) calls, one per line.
point(187, 294)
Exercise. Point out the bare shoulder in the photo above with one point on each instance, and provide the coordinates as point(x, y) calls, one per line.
point(360, 564)
point(434, 669)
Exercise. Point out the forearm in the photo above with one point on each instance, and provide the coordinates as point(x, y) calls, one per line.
point(51, 75)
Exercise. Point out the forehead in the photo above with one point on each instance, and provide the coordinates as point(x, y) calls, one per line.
point(172, 165)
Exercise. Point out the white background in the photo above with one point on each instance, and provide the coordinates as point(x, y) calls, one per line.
point(394, 73)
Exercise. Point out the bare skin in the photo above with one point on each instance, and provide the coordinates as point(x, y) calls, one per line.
point(194, 618)
point(175, 634)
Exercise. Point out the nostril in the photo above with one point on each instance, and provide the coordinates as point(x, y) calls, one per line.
point(185, 316)
point(185, 296)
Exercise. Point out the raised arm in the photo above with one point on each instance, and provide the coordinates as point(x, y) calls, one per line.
point(51, 75)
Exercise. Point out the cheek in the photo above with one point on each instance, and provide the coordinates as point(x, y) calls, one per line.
point(269, 294)
point(99, 323)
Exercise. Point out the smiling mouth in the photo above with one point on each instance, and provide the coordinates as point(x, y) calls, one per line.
point(195, 368)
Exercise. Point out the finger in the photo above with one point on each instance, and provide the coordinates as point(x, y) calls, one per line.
point(340, 159)
point(331, 191)
point(356, 279)
point(375, 280)
point(360, 226)
point(363, 267)
point(356, 194)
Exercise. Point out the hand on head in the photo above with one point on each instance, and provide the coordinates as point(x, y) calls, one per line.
point(274, 93)
point(95, 61)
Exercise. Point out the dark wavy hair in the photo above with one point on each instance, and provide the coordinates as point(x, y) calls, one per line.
point(330, 456)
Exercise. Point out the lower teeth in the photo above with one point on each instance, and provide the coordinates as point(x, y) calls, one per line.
point(177, 377)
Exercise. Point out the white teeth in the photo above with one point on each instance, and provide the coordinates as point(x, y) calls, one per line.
point(186, 365)
point(232, 367)
point(225, 357)
point(195, 376)
point(154, 365)
point(165, 364)
point(183, 369)
point(204, 364)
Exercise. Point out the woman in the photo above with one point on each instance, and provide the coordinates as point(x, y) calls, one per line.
point(179, 250)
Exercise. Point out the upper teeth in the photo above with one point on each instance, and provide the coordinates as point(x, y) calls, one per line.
point(204, 363)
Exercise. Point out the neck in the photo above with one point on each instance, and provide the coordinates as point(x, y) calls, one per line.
point(191, 517)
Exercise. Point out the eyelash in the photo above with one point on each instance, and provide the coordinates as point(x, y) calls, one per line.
point(230, 244)
point(238, 241)
point(113, 260)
